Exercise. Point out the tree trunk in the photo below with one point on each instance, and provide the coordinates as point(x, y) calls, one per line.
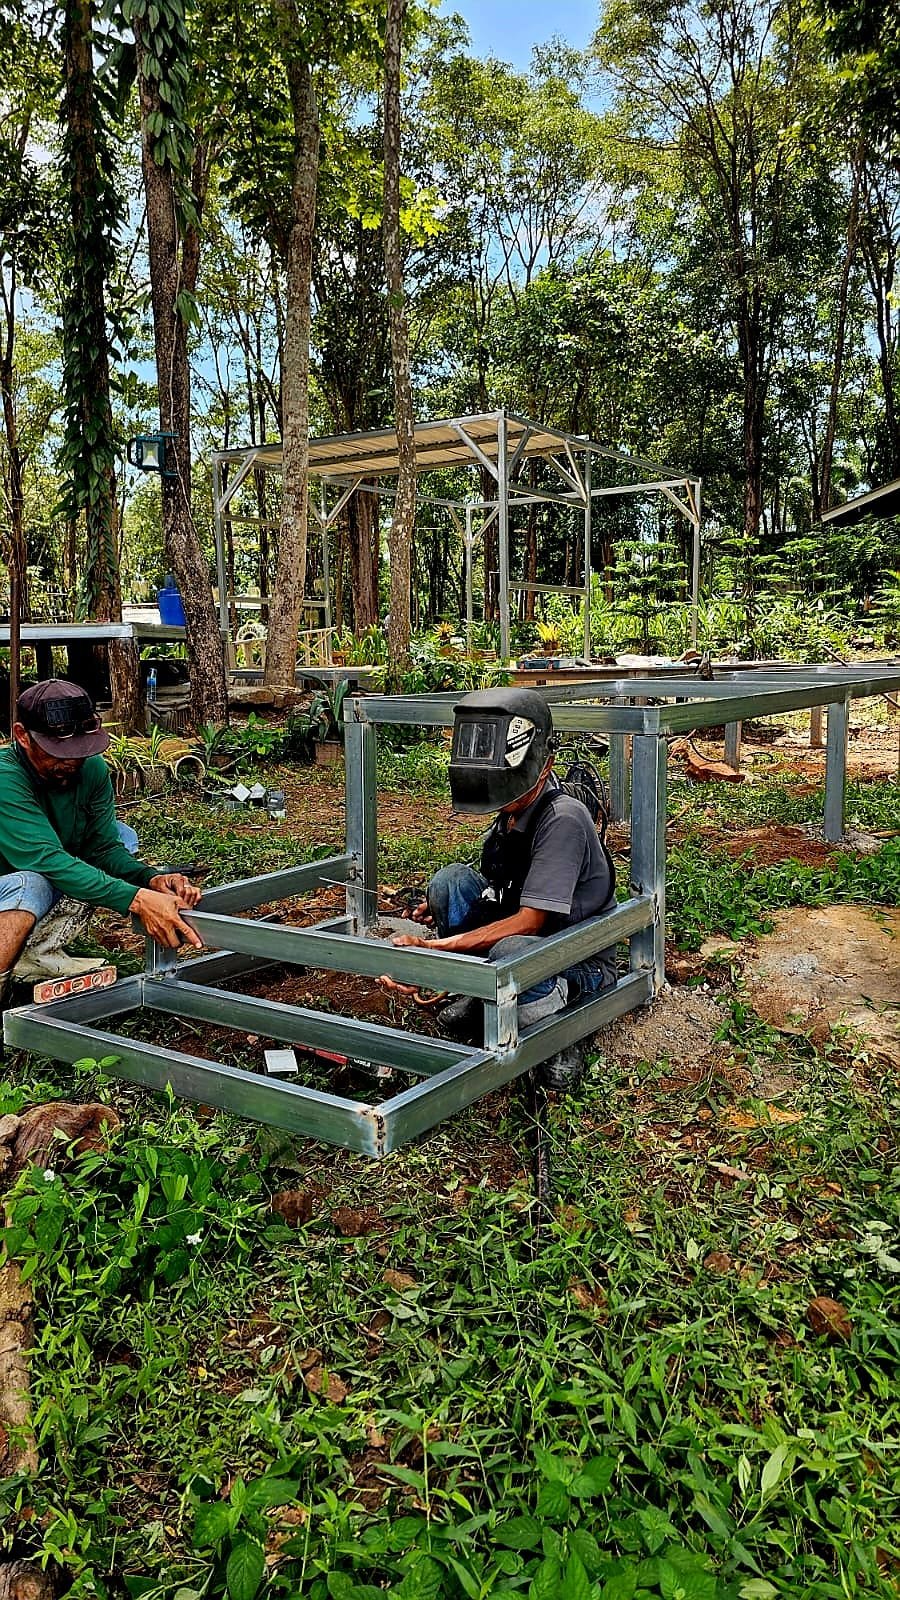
point(290, 577)
point(15, 553)
point(88, 405)
point(403, 519)
point(749, 342)
point(840, 337)
point(174, 252)
point(880, 248)
point(363, 526)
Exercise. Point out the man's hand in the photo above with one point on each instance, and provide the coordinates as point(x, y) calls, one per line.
point(160, 916)
point(422, 914)
point(405, 940)
point(186, 893)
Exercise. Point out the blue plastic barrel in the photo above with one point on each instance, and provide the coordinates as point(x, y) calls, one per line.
point(168, 599)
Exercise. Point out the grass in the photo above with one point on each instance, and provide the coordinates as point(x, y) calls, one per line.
point(418, 1393)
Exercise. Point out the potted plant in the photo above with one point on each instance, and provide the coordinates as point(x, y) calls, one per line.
point(549, 636)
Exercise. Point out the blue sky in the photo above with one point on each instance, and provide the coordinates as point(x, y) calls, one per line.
point(509, 28)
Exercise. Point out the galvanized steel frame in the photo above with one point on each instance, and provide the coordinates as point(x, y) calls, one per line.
point(450, 1075)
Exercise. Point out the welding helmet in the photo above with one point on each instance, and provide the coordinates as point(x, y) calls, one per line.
point(501, 741)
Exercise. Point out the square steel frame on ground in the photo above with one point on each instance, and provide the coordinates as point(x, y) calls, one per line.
point(450, 1076)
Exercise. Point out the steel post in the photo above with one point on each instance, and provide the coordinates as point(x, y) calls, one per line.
point(503, 532)
point(360, 760)
point(695, 567)
point(618, 776)
point(501, 1019)
point(219, 538)
point(470, 602)
point(648, 852)
point(836, 767)
point(733, 745)
point(326, 564)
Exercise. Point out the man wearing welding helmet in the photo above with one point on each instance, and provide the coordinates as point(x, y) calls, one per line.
point(543, 866)
point(62, 852)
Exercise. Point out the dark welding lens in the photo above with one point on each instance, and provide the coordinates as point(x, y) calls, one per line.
point(475, 741)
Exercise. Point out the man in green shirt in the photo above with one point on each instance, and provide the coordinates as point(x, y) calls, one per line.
point(59, 835)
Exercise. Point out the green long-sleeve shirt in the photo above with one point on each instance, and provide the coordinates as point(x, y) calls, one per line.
point(68, 835)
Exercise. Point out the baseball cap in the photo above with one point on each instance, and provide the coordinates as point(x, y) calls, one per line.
point(61, 719)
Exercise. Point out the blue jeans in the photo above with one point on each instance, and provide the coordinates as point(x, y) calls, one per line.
point(451, 895)
point(30, 891)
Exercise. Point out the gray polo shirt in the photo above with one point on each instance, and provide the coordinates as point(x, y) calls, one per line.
point(569, 875)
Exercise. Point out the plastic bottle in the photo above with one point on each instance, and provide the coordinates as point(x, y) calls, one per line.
point(151, 685)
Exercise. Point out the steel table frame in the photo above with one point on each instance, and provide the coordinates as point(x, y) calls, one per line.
point(449, 1076)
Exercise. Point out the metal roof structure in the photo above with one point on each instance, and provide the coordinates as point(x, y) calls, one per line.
point(495, 443)
point(882, 502)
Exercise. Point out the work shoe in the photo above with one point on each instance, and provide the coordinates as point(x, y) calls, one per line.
point(44, 955)
point(464, 1019)
point(564, 1071)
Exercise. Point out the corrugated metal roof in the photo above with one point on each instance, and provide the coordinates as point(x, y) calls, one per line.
point(883, 502)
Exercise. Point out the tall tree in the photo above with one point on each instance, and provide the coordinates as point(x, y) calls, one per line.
point(404, 511)
point(176, 173)
point(90, 449)
point(28, 214)
point(712, 95)
point(290, 576)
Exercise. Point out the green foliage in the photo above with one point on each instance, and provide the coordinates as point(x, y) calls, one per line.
point(708, 892)
point(631, 1402)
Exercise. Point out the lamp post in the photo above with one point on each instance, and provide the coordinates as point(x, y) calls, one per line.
point(152, 452)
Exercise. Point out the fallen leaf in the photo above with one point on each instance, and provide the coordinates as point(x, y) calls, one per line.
point(353, 1224)
point(740, 1174)
point(748, 1119)
point(377, 1324)
point(572, 1219)
point(829, 1317)
point(332, 1387)
point(377, 1439)
point(294, 1206)
point(399, 1280)
point(588, 1299)
point(718, 1261)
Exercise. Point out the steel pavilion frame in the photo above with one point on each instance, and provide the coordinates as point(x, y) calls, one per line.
point(449, 1075)
point(499, 443)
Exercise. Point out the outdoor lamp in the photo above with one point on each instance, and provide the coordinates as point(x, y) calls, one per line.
point(148, 452)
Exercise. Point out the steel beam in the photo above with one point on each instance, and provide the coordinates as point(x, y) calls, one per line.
point(281, 1105)
point(370, 958)
point(557, 951)
point(366, 1041)
point(245, 893)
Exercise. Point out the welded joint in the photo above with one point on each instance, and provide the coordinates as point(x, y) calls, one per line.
point(378, 1123)
point(501, 1020)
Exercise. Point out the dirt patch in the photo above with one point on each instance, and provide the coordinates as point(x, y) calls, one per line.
point(679, 1027)
point(831, 966)
point(771, 844)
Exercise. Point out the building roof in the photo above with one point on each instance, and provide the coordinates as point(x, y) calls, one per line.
point(883, 502)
